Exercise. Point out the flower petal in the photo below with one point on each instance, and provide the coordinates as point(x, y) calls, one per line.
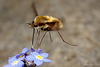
point(47, 60)
point(38, 62)
point(39, 51)
point(20, 64)
point(44, 55)
point(32, 50)
point(24, 50)
point(30, 58)
point(21, 58)
point(18, 55)
point(11, 59)
point(34, 53)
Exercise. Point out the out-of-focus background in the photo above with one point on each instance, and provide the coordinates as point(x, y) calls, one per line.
point(81, 19)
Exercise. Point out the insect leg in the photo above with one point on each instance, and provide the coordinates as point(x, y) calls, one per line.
point(50, 36)
point(42, 38)
point(64, 40)
point(38, 34)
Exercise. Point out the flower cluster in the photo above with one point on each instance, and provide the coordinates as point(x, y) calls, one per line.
point(28, 58)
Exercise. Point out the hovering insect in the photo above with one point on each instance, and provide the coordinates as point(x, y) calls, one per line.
point(47, 24)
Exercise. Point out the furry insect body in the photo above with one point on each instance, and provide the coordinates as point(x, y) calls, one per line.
point(47, 23)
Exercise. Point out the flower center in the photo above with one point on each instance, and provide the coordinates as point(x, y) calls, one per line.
point(15, 62)
point(38, 57)
point(21, 55)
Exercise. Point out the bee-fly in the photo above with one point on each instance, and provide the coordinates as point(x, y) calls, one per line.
point(47, 24)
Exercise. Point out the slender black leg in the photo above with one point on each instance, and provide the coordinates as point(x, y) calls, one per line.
point(38, 35)
point(42, 38)
point(50, 36)
point(64, 40)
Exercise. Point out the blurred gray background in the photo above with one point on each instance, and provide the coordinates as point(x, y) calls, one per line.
point(81, 19)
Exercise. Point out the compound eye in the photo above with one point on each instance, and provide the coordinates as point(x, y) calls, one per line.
point(32, 21)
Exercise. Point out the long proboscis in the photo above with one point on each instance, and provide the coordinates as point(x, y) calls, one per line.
point(36, 14)
point(33, 36)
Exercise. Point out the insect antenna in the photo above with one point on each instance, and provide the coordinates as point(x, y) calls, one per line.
point(64, 40)
point(50, 36)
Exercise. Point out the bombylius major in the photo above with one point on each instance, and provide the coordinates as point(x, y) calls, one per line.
point(46, 23)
